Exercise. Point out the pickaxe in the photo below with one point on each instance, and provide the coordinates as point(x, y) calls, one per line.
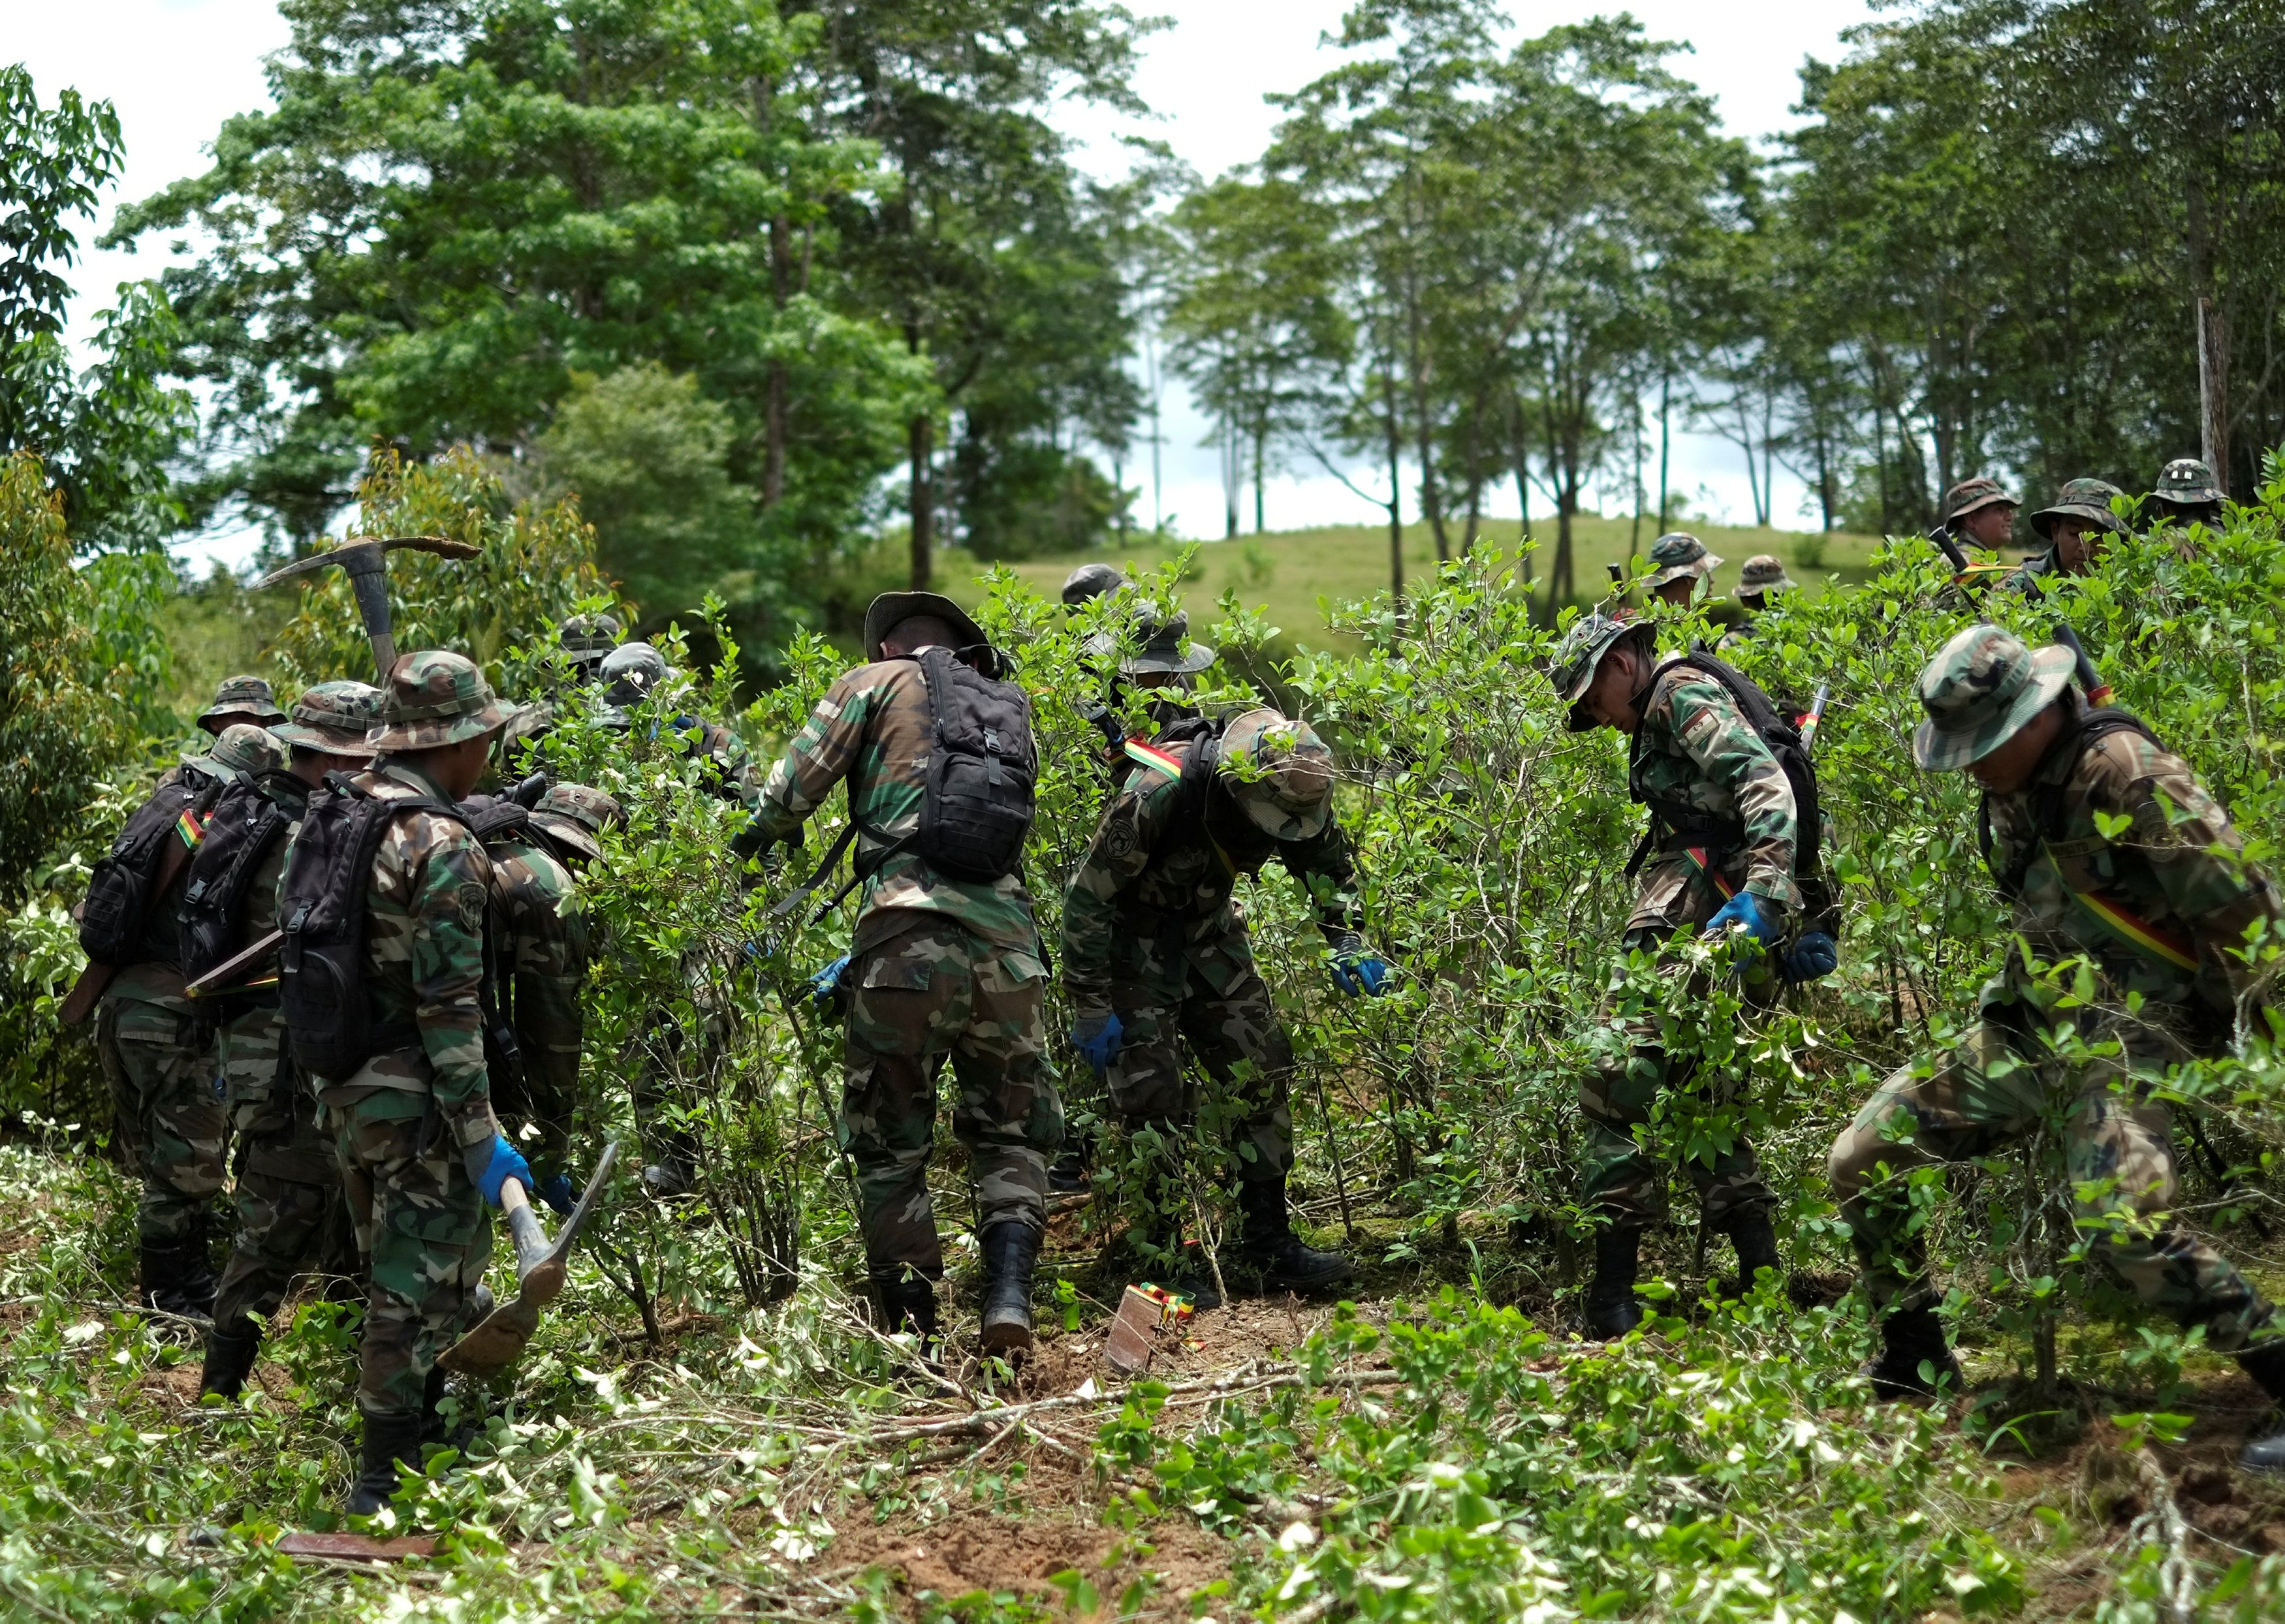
point(499, 1338)
point(361, 558)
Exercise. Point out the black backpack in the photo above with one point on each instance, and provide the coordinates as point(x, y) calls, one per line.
point(1820, 908)
point(124, 888)
point(983, 772)
point(244, 824)
point(321, 910)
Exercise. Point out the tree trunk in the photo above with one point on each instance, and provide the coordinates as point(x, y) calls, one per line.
point(2213, 388)
point(1522, 497)
point(1665, 409)
point(920, 447)
point(1431, 504)
point(1232, 474)
point(1261, 457)
point(773, 389)
point(1395, 489)
point(1634, 530)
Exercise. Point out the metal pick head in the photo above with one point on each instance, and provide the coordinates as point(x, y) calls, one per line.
point(361, 554)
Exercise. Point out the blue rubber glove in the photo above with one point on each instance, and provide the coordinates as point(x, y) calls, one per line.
point(822, 985)
point(494, 1165)
point(1097, 1038)
point(558, 1194)
point(1743, 909)
point(1361, 972)
point(1814, 957)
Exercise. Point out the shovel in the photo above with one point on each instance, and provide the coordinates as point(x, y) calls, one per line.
point(497, 1340)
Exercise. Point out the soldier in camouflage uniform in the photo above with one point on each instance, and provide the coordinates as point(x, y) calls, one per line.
point(421, 1153)
point(938, 968)
point(1762, 577)
point(1157, 957)
point(242, 699)
point(2073, 529)
point(1723, 853)
point(1980, 512)
point(289, 1196)
point(636, 673)
point(2157, 907)
point(1680, 565)
point(536, 937)
point(587, 641)
point(157, 1057)
point(2189, 494)
point(1092, 581)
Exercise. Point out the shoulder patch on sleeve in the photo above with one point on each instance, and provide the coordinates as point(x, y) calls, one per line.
point(468, 903)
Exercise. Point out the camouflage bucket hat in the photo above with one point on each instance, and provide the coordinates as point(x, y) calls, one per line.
point(246, 750)
point(1979, 691)
point(1970, 494)
point(631, 673)
point(1281, 772)
point(1678, 556)
point(1572, 667)
point(433, 698)
point(1091, 581)
point(242, 699)
point(587, 639)
point(1167, 650)
point(2088, 499)
point(578, 816)
point(526, 726)
point(1763, 573)
point(2188, 482)
point(334, 718)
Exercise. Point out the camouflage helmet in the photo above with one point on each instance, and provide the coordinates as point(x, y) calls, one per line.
point(1092, 581)
point(332, 718)
point(631, 673)
point(526, 726)
point(435, 697)
point(1979, 691)
point(1572, 667)
point(1970, 494)
point(1679, 556)
point(587, 639)
point(242, 699)
point(1167, 647)
point(1763, 573)
point(246, 750)
point(2086, 499)
point(577, 816)
point(2187, 482)
point(1281, 772)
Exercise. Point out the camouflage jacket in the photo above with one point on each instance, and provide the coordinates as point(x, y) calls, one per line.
point(872, 728)
point(2031, 574)
point(1157, 863)
point(1695, 749)
point(2157, 904)
point(425, 953)
point(537, 938)
point(156, 977)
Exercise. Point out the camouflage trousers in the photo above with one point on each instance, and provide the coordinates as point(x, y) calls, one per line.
point(1623, 1092)
point(1996, 1089)
point(1198, 987)
point(420, 1228)
point(161, 1075)
point(291, 1215)
point(934, 993)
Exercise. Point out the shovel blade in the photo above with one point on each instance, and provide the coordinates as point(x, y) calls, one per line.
point(499, 1339)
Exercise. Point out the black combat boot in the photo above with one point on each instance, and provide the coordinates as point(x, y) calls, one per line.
point(392, 1439)
point(907, 1302)
point(1755, 1240)
point(2266, 1364)
point(1011, 1252)
point(192, 1293)
point(1268, 1246)
point(1911, 1337)
point(230, 1347)
point(1611, 1310)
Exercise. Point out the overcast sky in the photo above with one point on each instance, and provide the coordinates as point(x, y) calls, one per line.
point(178, 68)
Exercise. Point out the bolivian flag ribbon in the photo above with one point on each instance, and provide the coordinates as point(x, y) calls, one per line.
point(191, 829)
point(2154, 941)
point(1152, 756)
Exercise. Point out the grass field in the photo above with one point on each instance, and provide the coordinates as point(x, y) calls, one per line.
point(1290, 574)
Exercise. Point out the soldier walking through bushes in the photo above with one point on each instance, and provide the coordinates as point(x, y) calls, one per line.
point(947, 963)
point(288, 1193)
point(2115, 857)
point(383, 905)
point(1728, 847)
